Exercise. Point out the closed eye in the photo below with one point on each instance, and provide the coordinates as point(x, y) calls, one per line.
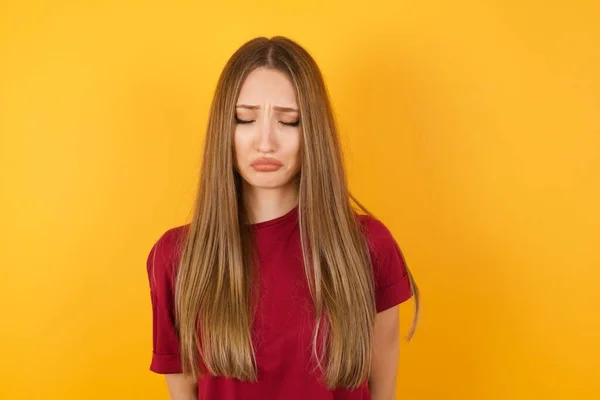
point(295, 123)
point(243, 121)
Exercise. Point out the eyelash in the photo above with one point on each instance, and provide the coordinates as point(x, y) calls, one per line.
point(292, 124)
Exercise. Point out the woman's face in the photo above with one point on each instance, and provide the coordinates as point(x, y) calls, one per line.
point(267, 136)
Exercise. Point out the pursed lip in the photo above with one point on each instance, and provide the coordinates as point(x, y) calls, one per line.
point(266, 161)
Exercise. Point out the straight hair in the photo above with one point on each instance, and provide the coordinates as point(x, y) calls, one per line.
point(215, 286)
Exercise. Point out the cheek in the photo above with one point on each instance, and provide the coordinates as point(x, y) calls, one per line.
point(295, 150)
point(239, 146)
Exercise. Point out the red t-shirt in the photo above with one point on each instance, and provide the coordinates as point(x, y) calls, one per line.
point(284, 317)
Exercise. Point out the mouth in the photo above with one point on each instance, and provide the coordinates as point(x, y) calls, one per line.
point(266, 164)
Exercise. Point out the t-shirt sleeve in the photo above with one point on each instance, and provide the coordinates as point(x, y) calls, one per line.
point(392, 283)
point(165, 342)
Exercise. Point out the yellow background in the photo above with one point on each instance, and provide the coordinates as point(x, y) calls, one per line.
point(471, 129)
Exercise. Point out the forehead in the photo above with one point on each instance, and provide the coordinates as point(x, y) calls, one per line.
point(264, 85)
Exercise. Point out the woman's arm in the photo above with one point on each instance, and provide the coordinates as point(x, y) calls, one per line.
point(386, 346)
point(181, 388)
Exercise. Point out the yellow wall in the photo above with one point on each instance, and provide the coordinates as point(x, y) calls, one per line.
point(472, 129)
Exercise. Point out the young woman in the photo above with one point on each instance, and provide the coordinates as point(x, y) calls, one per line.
point(278, 288)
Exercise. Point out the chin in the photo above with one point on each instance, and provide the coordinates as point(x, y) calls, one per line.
point(263, 184)
point(267, 180)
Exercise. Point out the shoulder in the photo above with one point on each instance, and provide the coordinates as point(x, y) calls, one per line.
point(377, 234)
point(387, 260)
point(165, 253)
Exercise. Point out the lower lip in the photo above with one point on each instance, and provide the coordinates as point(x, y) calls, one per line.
point(266, 167)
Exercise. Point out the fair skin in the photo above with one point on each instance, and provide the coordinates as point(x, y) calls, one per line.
point(384, 363)
point(268, 127)
point(181, 388)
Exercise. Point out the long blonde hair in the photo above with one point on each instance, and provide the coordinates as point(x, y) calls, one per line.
point(215, 283)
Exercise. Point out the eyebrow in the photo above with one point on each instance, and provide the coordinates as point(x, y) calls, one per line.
point(276, 108)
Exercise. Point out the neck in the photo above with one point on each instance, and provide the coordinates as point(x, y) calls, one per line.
point(264, 204)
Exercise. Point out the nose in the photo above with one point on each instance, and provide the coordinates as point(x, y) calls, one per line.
point(265, 137)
